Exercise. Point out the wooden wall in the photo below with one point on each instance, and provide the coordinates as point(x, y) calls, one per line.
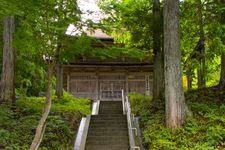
point(108, 86)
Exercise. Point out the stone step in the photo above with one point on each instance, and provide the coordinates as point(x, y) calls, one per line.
point(96, 132)
point(111, 105)
point(109, 119)
point(108, 138)
point(109, 116)
point(107, 130)
point(111, 102)
point(111, 108)
point(110, 112)
point(108, 104)
point(100, 121)
point(113, 121)
point(107, 142)
point(95, 140)
point(108, 126)
point(106, 147)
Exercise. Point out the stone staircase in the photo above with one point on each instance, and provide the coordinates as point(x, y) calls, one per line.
point(108, 130)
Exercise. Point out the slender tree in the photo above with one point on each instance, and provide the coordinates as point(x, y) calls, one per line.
point(222, 22)
point(54, 20)
point(222, 72)
point(40, 130)
point(201, 48)
point(174, 95)
point(8, 67)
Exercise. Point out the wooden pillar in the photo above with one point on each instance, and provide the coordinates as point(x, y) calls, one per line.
point(147, 85)
point(97, 86)
point(68, 82)
point(126, 84)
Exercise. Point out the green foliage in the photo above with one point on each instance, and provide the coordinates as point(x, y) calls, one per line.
point(190, 34)
point(137, 101)
point(205, 130)
point(30, 69)
point(133, 17)
point(116, 52)
point(70, 104)
point(74, 46)
point(40, 28)
point(66, 104)
point(18, 123)
point(6, 115)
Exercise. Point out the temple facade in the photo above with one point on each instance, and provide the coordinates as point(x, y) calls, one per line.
point(97, 79)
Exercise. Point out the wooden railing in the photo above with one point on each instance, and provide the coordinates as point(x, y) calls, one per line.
point(132, 131)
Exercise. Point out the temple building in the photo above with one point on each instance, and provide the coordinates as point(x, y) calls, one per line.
point(104, 79)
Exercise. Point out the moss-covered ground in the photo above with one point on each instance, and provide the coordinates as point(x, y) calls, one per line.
point(204, 131)
point(18, 122)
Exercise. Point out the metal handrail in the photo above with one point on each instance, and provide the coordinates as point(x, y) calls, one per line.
point(84, 126)
point(127, 111)
point(123, 102)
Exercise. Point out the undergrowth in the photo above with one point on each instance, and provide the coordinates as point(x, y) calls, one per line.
point(204, 131)
point(18, 123)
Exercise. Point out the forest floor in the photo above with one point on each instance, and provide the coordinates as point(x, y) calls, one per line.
point(204, 131)
point(18, 123)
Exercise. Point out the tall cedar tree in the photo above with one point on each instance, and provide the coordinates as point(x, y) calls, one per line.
point(8, 67)
point(174, 95)
point(158, 82)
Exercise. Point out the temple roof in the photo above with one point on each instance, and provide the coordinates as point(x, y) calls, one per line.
point(99, 34)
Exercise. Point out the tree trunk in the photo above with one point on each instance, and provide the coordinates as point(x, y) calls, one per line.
point(174, 95)
point(200, 77)
point(59, 80)
point(47, 106)
point(189, 82)
point(201, 69)
point(59, 73)
point(222, 73)
point(8, 66)
point(158, 74)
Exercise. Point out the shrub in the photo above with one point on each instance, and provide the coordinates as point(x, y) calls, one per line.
point(140, 104)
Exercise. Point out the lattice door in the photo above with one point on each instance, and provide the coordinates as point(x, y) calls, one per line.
point(111, 90)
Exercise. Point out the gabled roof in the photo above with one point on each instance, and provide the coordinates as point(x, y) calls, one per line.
point(99, 34)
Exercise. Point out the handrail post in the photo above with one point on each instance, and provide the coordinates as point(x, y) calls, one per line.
point(95, 107)
point(123, 101)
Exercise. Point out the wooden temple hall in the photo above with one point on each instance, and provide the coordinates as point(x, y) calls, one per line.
point(98, 79)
